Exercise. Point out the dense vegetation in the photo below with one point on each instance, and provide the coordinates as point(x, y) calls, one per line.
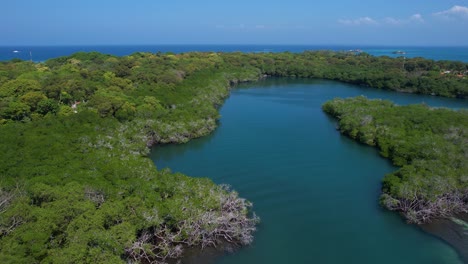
point(75, 181)
point(416, 75)
point(430, 145)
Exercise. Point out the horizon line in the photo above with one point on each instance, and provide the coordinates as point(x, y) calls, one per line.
point(229, 44)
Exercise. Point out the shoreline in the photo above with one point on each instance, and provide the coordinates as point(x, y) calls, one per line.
point(445, 217)
point(46, 52)
point(213, 86)
point(450, 232)
point(444, 229)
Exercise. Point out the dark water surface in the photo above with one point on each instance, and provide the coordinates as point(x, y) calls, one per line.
point(315, 190)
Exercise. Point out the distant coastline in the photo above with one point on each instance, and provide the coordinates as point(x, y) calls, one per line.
point(43, 53)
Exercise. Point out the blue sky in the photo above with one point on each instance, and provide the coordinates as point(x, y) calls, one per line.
point(332, 22)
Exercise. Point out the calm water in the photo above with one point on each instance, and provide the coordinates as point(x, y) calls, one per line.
point(42, 53)
point(315, 190)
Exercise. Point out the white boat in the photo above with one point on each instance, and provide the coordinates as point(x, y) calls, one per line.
point(16, 51)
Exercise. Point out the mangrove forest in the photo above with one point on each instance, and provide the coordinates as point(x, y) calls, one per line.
point(76, 183)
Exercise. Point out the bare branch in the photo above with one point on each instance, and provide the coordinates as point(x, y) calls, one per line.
point(231, 223)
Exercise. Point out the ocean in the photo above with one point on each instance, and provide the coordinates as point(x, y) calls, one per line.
point(43, 53)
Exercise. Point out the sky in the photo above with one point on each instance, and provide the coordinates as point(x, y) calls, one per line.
point(306, 22)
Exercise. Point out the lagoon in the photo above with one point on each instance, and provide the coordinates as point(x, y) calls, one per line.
point(315, 190)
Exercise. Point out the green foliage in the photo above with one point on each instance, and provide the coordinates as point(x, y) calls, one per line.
point(76, 130)
point(429, 144)
point(47, 106)
point(19, 87)
point(109, 83)
point(32, 99)
point(15, 110)
point(88, 191)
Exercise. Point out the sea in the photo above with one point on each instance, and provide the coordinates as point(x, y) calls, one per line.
point(43, 53)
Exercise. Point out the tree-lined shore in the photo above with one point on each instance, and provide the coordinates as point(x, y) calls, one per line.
point(430, 145)
point(76, 183)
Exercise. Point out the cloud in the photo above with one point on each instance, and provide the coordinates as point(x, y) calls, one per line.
point(416, 18)
point(455, 11)
point(358, 21)
point(392, 21)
